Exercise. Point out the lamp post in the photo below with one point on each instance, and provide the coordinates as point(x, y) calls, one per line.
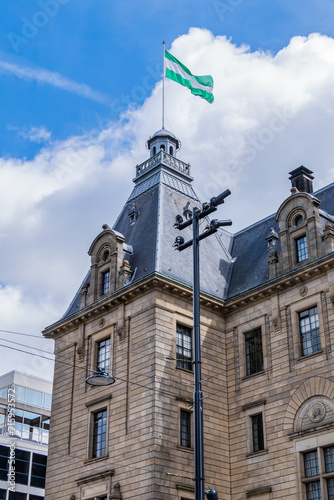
point(100, 378)
point(207, 208)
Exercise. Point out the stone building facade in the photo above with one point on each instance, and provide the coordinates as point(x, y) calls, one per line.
point(267, 329)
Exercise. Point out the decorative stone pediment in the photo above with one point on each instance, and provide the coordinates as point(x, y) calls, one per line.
point(315, 411)
point(298, 218)
point(107, 241)
point(303, 204)
point(311, 406)
point(109, 270)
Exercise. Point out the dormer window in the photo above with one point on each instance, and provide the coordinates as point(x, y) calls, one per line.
point(132, 218)
point(301, 249)
point(105, 282)
point(106, 262)
point(133, 214)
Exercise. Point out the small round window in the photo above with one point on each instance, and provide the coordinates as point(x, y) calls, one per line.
point(299, 219)
point(106, 254)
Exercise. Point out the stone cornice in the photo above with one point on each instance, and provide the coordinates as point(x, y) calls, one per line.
point(296, 277)
point(125, 295)
point(95, 476)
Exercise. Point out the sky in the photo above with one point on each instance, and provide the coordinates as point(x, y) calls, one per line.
point(80, 93)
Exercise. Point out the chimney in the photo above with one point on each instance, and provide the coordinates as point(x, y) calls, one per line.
point(301, 178)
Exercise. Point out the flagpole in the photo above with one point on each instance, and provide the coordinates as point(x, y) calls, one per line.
point(163, 87)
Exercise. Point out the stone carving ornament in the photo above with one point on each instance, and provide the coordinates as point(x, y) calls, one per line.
point(317, 412)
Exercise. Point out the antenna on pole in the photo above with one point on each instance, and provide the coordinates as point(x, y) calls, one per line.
point(163, 86)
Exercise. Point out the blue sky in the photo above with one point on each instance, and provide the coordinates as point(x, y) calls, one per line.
point(108, 46)
point(80, 93)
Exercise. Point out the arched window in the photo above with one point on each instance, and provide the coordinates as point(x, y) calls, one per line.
point(162, 146)
point(154, 150)
point(171, 150)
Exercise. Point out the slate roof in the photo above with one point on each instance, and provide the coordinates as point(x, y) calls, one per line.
point(152, 236)
point(251, 252)
point(230, 264)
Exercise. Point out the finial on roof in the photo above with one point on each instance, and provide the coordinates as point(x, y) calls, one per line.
point(272, 238)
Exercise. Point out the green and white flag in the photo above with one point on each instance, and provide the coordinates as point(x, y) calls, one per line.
point(198, 85)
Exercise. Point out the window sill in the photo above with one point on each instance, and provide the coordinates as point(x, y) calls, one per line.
point(257, 453)
point(97, 459)
point(184, 448)
point(184, 369)
point(307, 356)
point(257, 374)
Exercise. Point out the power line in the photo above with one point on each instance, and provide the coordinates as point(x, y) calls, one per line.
point(20, 333)
point(161, 391)
point(25, 352)
point(28, 346)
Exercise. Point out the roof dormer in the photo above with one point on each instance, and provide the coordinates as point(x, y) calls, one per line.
point(305, 231)
point(109, 270)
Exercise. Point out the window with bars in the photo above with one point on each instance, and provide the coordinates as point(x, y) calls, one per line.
point(105, 287)
point(309, 331)
point(254, 353)
point(103, 356)
point(185, 428)
point(257, 432)
point(301, 249)
point(319, 474)
point(184, 347)
point(99, 433)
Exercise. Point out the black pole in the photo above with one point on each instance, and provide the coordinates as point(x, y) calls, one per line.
point(180, 244)
point(198, 399)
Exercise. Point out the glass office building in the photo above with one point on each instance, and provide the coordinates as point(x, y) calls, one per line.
point(25, 407)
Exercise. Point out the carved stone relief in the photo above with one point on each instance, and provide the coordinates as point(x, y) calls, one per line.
point(315, 411)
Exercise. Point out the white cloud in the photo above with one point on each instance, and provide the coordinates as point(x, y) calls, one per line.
point(33, 134)
point(272, 112)
point(56, 80)
point(28, 316)
point(38, 134)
